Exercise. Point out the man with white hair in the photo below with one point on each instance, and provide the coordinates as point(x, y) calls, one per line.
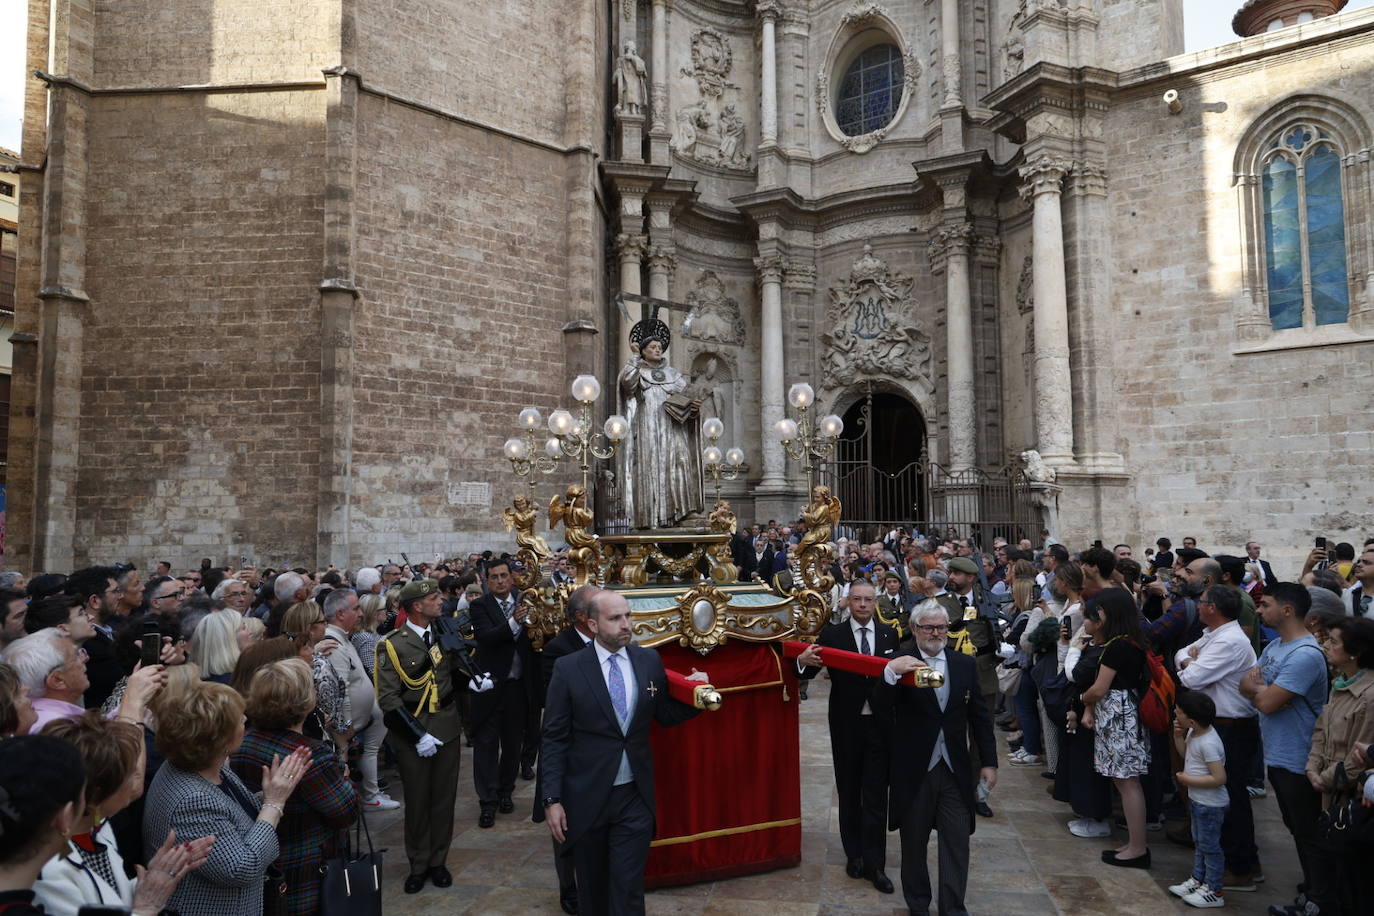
point(53, 670)
point(341, 615)
point(369, 581)
point(235, 594)
point(930, 747)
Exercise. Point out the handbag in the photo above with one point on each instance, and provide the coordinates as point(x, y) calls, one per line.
point(352, 884)
point(1008, 679)
point(1339, 824)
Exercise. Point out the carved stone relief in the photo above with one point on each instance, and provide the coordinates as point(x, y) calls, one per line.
point(711, 62)
point(1014, 47)
point(1025, 287)
point(872, 329)
point(631, 82)
point(713, 315)
point(863, 12)
point(710, 130)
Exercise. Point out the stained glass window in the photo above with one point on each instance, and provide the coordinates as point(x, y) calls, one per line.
point(1304, 231)
point(870, 91)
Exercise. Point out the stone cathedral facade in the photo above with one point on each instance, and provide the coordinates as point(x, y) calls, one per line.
point(289, 271)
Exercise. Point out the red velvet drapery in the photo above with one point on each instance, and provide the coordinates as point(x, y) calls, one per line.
point(728, 783)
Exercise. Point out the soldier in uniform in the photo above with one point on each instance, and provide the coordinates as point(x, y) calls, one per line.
point(415, 690)
point(975, 629)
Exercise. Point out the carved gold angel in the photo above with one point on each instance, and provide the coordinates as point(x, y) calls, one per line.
point(584, 548)
point(722, 518)
point(821, 517)
point(521, 519)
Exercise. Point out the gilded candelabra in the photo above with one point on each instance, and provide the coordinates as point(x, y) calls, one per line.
point(799, 439)
point(524, 454)
point(712, 457)
point(574, 435)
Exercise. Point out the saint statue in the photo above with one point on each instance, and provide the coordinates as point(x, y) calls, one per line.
point(732, 153)
point(631, 78)
point(660, 459)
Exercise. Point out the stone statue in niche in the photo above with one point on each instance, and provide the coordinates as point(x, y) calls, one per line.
point(873, 330)
point(732, 154)
point(712, 315)
point(631, 82)
point(713, 384)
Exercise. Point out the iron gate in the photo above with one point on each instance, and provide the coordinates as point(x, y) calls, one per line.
point(968, 503)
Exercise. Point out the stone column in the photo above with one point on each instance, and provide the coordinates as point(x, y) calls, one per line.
point(769, 267)
point(662, 264)
point(949, 49)
point(658, 76)
point(959, 388)
point(768, 85)
point(629, 248)
point(1053, 380)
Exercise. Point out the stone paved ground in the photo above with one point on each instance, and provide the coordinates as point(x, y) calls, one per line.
point(1024, 861)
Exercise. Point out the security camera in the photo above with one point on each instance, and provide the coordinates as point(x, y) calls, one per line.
point(1172, 100)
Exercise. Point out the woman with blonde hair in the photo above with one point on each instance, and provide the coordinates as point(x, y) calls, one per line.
point(304, 624)
point(365, 640)
point(281, 697)
point(215, 644)
point(16, 709)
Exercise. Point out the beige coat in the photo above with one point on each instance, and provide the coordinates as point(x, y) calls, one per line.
point(1347, 718)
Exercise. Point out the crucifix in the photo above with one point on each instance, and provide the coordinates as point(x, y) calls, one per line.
point(653, 691)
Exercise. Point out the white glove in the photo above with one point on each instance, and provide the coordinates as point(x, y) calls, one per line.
point(1006, 650)
point(428, 746)
point(481, 684)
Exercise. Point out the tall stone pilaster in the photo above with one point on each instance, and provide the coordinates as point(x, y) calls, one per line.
point(770, 271)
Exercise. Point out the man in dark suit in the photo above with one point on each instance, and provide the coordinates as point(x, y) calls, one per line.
point(576, 637)
point(1252, 551)
point(930, 734)
point(743, 556)
point(96, 588)
point(501, 717)
point(858, 737)
point(596, 764)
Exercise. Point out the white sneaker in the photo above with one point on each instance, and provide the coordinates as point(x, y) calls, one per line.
point(1256, 791)
point(381, 802)
point(1205, 898)
point(1023, 759)
point(1089, 828)
point(1186, 888)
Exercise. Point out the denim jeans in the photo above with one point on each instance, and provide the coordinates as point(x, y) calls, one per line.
point(1028, 714)
point(1208, 862)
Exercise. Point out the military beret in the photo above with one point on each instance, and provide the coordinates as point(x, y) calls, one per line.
point(963, 565)
point(418, 589)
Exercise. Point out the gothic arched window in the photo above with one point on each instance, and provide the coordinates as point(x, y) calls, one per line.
point(1304, 230)
point(870, 90)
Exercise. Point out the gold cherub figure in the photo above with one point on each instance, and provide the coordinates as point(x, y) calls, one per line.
point(521, 520)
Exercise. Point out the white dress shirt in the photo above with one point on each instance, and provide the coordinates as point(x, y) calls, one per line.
point(1224, 656)
point(627, 673)
point(872, 629)
point(421, 632)
point(940, 751)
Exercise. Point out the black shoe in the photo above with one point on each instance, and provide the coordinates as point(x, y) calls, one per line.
point(802, 693)
point(487, 818)
point(383, 784)
point(506, 806)
point(854, 868)
point(880, 881)
point(441, 876)
point(415, 883)
point(983, 809)
point(527, 773)
point(568, 901)
point(1111, 858)
point(1047, 775)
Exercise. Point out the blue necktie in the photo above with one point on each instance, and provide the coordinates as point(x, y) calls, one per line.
point(617, 682)
point(863, 643)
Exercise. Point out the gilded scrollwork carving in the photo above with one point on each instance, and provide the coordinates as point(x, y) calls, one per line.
point(577, 519)
point(810, 593)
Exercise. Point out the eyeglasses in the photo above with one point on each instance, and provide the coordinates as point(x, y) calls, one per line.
point(932, 629)
point(168, 595)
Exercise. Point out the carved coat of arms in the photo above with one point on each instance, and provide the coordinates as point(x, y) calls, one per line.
point(713, 314)
point(872, 330)
point(711, 62)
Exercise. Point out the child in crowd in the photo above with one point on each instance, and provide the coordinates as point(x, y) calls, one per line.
point(1204, 773)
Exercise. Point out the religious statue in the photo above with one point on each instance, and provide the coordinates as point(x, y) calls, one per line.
point(690, 119)
point(723, 518)
point(713, 394)
point(584, 550)
point(821, 517)
point(1037, 471)
point(732, 153)
point(631, 82)
point(521, 519)
point(660, 460)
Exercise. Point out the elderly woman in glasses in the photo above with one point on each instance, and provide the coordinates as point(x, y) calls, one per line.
point(304, 624)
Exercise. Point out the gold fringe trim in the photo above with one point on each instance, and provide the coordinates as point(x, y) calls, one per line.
point(725, 831)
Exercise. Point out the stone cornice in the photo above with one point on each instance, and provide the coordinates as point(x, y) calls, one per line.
point(785, 206)
point(1046, 87)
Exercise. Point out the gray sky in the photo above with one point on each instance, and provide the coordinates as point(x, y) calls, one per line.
point(1207, 23)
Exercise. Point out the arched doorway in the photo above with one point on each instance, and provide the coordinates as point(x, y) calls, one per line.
point(878, 471)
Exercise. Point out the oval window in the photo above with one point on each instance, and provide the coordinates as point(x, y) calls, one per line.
point(870, 91)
